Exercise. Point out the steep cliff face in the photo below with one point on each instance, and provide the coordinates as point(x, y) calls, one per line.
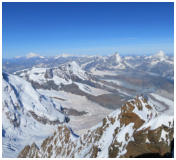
point(134, 130)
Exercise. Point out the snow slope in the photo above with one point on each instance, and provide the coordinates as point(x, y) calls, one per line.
point(94, 112)
point(27, 115)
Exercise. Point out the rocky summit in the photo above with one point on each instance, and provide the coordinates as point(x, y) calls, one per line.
point(134, 130)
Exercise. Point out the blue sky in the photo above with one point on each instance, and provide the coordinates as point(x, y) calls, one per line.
point(87, 28)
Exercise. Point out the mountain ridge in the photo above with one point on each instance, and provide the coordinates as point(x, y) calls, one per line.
point(124, 133)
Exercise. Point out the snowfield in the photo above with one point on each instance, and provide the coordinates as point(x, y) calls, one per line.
point(94, 112)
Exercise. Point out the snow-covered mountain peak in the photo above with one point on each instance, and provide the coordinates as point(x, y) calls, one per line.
point(74, 68)
point(117, 57)
point(32, 55)
point(140, 108)
point(73, 64)
point(160, 55)
point(64, 55)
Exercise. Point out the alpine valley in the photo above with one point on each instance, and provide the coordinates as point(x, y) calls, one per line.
point(88, 106)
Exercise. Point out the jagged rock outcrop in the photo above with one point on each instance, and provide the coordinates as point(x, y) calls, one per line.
point(134, 130)
point(49, 73)
point(30, 151)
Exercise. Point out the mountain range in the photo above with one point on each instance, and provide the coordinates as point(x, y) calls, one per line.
point(159, 63)
point(87, 106)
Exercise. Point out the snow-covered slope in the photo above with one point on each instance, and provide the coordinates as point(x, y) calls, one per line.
point(134, 130)
point(27, 115)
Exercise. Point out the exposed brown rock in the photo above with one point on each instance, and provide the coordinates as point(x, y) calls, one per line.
point(29, 151)
point(114, 149)
point(139, 146)
point(143, 141)
point(94, 152)
point(24, 152)
point(127, 118)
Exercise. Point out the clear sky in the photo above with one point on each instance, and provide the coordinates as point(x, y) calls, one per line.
point(87, 28)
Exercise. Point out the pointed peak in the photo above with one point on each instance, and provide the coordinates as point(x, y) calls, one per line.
point(117, 57)
point(160, 54)
point(73, 64)
point(31, 54)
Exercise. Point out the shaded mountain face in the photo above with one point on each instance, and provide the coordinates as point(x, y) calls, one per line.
point(26, 114)
point(137, 129)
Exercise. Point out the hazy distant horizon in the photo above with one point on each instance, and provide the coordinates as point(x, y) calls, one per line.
point(50, 29)
point(67, 54)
